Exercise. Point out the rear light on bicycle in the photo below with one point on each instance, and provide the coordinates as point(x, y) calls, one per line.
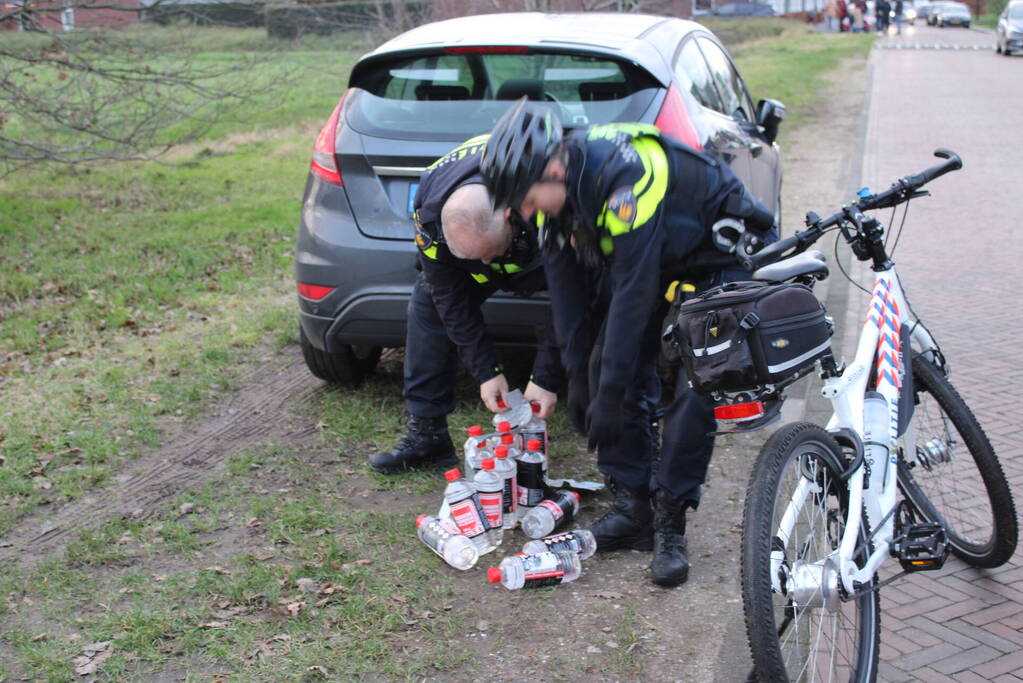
point(673, 119)
point(314, 292)
point(324, 163)
point(739, 412)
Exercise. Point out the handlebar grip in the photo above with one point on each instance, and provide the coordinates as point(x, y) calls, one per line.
point(770, 253)
point(917, 181)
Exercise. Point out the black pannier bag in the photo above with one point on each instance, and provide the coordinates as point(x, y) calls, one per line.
point(743, 335)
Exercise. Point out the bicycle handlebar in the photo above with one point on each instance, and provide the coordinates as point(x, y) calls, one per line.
point(901, 191)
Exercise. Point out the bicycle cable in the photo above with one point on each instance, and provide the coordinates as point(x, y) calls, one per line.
point(838, 262)
point(898, 235)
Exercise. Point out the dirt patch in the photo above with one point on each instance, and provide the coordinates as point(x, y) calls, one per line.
point(262, 410)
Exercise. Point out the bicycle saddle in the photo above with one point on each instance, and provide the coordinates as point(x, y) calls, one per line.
point(808, 263)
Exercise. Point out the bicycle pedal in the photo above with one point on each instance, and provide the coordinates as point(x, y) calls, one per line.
point(921, 546)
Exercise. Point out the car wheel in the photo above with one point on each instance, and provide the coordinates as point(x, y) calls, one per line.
point(998, 48)
point(347, 367)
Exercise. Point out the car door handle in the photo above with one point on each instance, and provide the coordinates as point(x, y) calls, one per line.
point(756, 148)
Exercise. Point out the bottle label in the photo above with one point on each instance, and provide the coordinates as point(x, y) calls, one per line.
point(554, 508)
point(542, 570)
point(492, 503)
point(566, 543)
point(510, 497)
point(530, 482)
point(469, 517)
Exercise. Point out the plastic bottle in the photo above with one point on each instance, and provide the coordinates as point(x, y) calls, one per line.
point(476, 448)
point(505, 468)
point(467, 511)
point(536, 571)
point(529, 476)
point(515, 410)
point(579, 541)
point(503, 427)
point(535, 428)
point(490, 490)
point(444, 538)
point(512, 443)
point(876, 425)
point(549, 513)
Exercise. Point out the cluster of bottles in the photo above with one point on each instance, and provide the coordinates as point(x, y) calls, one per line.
point(505, 486)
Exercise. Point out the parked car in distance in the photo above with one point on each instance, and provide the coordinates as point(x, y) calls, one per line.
point(932, 13)
point(1009, 32)
point(743, 9)
point(954, 14)
point(419, 95)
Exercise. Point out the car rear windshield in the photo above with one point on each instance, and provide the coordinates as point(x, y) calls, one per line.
point(455, 96)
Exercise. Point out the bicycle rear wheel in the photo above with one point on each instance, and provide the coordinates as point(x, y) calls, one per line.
point(954, 476)
point(798, 625)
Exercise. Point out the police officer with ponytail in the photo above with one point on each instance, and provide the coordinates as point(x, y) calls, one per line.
point(639, 209)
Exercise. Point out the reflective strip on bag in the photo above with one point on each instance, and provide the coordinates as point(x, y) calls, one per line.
point(711, 350)
point(798, 360)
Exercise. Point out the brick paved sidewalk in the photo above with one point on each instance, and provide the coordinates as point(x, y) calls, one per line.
point(960, 623)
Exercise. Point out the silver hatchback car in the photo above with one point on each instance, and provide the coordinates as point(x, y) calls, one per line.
point(417, 96)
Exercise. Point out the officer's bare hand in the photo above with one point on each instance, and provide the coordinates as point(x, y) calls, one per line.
point(545, 399)
point(491, 392)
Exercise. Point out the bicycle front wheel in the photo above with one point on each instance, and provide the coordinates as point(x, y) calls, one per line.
point(800, 624)
point(953, 476)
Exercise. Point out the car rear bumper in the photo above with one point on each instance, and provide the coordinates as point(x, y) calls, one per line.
point(372, 282)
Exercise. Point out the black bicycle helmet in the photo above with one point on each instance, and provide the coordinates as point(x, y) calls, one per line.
point(517, 152)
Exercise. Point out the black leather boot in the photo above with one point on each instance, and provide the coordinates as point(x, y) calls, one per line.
point(670, 566)
point(426, 444)
point(629, 524)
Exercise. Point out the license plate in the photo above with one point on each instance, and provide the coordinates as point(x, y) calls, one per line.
point(412, 187)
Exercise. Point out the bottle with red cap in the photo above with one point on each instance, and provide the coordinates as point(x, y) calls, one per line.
point(550, 513)
point(515, 410)
point(503, 427)
point(476, 448)
point(490, 490)
point(529, 477)
point(443, 537)
point(578, 541)
point(512, 442)
point(505, 468)
point(536, 571)
point(467, 512)
point(535, 428)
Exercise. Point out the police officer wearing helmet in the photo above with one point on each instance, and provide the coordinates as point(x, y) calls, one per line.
point(467, 251)
point(639, 208)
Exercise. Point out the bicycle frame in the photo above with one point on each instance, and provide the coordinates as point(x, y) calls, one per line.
point(880, 339)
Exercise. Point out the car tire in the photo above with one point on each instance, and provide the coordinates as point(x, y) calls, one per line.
point(998, 48)
point(348, 367)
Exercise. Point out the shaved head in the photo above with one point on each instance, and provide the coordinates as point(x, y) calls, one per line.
point(472, 229)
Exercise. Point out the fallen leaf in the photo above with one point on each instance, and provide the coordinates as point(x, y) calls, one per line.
point(186, 508)
point(295, 607)
point(319, 670)
point(399, 598)
point(264, 555)
point(307, 585)
point(321, 532)
point(214, 624)
point(40, 638)
point(320, 426)
point(252, 522)
point(42, 483)
point(217, 570)
point(363, 562)
point(92, 657)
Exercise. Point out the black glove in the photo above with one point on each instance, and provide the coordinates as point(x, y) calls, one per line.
point(578, 400)
point(605, 418)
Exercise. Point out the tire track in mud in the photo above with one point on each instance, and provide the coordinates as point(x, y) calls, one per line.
point(261, 410)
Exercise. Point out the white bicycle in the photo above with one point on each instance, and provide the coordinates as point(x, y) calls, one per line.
point(824, 512)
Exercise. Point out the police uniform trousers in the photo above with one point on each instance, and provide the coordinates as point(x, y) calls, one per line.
point(431, 358)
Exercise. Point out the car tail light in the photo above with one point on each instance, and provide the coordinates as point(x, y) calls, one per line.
point(324, 163)
point(487, 50)
point(739, 412)
point(673, 119)
point(314, 292)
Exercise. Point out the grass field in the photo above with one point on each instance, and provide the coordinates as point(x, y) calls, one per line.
point(132, 296)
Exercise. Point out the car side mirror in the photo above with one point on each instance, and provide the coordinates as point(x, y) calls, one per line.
point(770, 114)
